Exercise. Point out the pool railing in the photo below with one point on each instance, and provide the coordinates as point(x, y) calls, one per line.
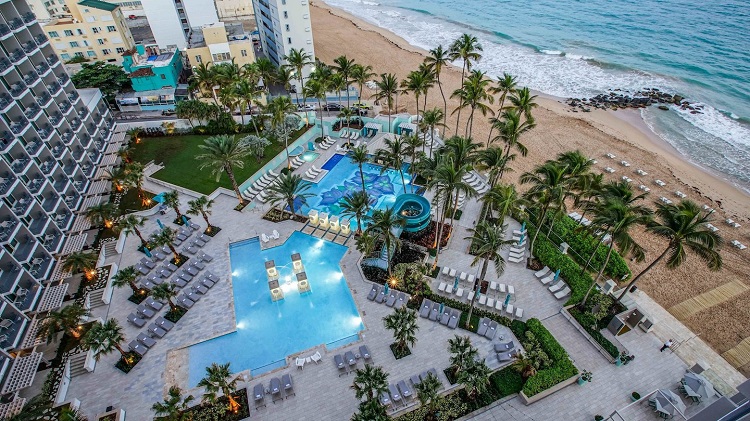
point(348, 340)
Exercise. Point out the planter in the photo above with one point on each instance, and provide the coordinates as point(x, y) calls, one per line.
point(635, 396)
point(399, 353)
point(581, 381)
point(618, 362)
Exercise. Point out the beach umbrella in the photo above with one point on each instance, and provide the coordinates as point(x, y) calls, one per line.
point(557, 275)
point(699, 385)
point(161, 225)
point(478, 292)
point(507, 300)
point(185, 220)
point(520, 240)
point(523, 226)
point(147, 251)
point(386, 288)
point(442, 307)
point(675, 400)
point(455, 283)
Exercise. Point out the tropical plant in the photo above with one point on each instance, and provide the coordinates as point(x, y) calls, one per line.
point(412, 144)
point(66, 319)
point(101, 214)
point(81, 261)
point(316, 89)
point(130, 224)
point(475, 379)
point(366, 243)
point(392, 155)
point(505, 85)
point(284, 78)
point(371, 411)
point(360, 75)
point(431, 119)
point(446, 180)
point(427, 393)
point(283, 122)
point(360, 156)
point(417, 82)
point(489, 240)
point(468, 49)
point(524, 365)
point(219, 379)
point(257, 145)
point(494, 161)
point(345, 66)
point(288, 187)
point(437, 58)
point(403, 323)
point(297, 60)
point(549, 187)
point(523, 101)
point(165, 292)
point(166, 237)
point(204, 79)
point(684, 227)
point(356, 204)
point(126, 277)
point(174, 407)
point(463, 354)
point(266, 70)
point(387, 88)
point(172, 199)
point(510, 130)
point(201, 206)
point(370, 382)
point(382, 224)
point(346, 115)
point(475, 95)
point(221, 154)
point(103, 338)
point(506, 201)
point(133, 176)
point(246, 93)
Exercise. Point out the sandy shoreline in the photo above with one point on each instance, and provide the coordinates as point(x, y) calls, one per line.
point(597, 133)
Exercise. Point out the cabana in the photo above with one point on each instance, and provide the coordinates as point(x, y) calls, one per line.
point(406, 128)
point(372, 128)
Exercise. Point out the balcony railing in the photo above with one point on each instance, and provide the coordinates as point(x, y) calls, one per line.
point(57, 151)
point(31, 77)
point(6, 181)
point(17, 55)
point(29, 47)
point(18, 89)
point(22, 205)
point(20, 125)
point(46, 132)
point(47, 166)
point(71, 200)
point(67, 137)
point(73, 96)
point(63, 79)
point(41, 39)
point(88, 169)
point(43, 99)
point(56, 119)
point(4, 30)
point(65, 106)
point(5, 64)
point(41, 68)
point(49, 202)
point(33, 147)
point(29, 17)
point(35, 184)
point(15, 23)
point(32, 111)
point(5, 139)
point(5, 101)
point(78, 153)
point(52, 59)
point(91, 128)
point(76, 124)
point(54, 88)
point(19, 164)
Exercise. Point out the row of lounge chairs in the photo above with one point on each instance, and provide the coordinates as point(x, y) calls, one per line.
point(258, 189)
point(558, 286)
point(506, 351)
point(402, 393)
point(144, 342)
point(347, 362)
point(451, 273)
point(312, 173)
point(332, 224)
point(487, 328)
point(351, 135)
point(327, 143)
point(296, 162)
point(517, 252)
point(431, 310)
point(278, 388)
point(475, 181)
point(395, 298)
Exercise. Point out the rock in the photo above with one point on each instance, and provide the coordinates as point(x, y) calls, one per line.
point(663, 107)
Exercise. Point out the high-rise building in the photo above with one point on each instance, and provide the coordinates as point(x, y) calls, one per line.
point(172, 20)
point(283, 25)
point(51, 141)
point(220, 43)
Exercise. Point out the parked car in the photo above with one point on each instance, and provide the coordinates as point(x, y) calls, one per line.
point(304, 107)
point(360, 111)
point(332, 107)
point(167, 112)
point(361, 106)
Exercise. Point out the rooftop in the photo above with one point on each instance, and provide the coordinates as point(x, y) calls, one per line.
point(235, 33)
point(103, 5)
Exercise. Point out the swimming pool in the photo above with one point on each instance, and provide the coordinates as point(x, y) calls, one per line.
point(343, 179)
point(269, 331)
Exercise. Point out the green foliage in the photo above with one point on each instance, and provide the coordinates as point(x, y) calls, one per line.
point(109, 78)
point(589, 322)
point(411, 276)
point(584, 244)
point(507, 381)
point(450, 407)
point(77, 60)
point(561, 369)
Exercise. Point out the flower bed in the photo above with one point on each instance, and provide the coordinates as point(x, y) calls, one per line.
point(212, 231)
point(126, 363)
point(175, 315)
point(218, 410)
point(426, 237)
point(592, 327)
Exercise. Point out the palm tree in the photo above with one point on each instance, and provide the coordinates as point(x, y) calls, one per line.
point(431, 119)
point(370, 382)
point(217, 381)
point(67, 319)
point(468, 49)
point(101, 214)
point(383, 223)
point(357, 204)
point(506, 201)
point(174, 407)
point(446, 180)
point(403, 323)
point(283, 77)
point(166, 237)
point(201, 206)
point(316, 89)
point(413, 142)
point(548, 188)
point(246, 93)
point(103, 338)
point(416, 83)
point(279, 108)
point(463, 354)
point(344, 66)
point(126, 276)
point(133, 175)
point(165, 292)
point(266, 70)
point(81, 261)
point(204, 79)
point(360, 75)
point(297, 60)
point(172, 199)
point(221, 154)
point(346, 115)
point(494, 161)
point(371, 411)
point(504, 86)
point(684, 227)
point(437, 58)
point(393, 155)
point(473, 94)
point(360, 156)
point(130, 224)
point(475, 379)
point(288, 187)
point(489, 240)
point(387, 89)
point(617, 219)
point(366, 243)
point(523, 102)
point(427, 393)
point(524, 365)
point(511, 130)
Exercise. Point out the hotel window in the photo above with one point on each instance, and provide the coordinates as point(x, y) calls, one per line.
point(243, 53)
point(286, 15)
point(78, 54)
point(91, 53)
point(100, 41)
point(53, 34)
point(163, 76)
point(288, 40)
point(106, 51)
point(95, 30)
point(73, 44)
point(198, 59)
point(85, 43)
point(80, 31)
point(68, 33)
point(65, 56)
point(221, 57)
point(111, 28)
point(120, 50)
point(287, 27)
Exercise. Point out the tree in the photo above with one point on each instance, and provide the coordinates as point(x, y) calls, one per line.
point(393, 155)
point(217, 381)
point(129, 225)
point(468, 49)
point(418, 83)
point(174, 406)
point(475, 95)
point(126, 276)
point(505, 85)
point(431, 119)
point(103, 338)
point(366, 243)
point(172, 199)
point(165, 292)
point(280, 108)
point(382, 225)
point(548, 188)
point(221, 154)
point(266, 70)
point(505, 200)
point(345, 66)
point(297, 60)
point(447, 180)
point(133, 175)
point(437, 58)
point(427, 393)
point(475, 378)
point(463, 354)
point(201, 206)
point(190, 110)
point(166, 237)
point(371, 411)
point(287, 188)
point(346, 115)
point(511, 130)
point(489, 240)
point(494, 161)
point(412, 143)
point(356, 204)
point(360, 156)
point(203, 79)
point(316, 89)
point(246, 93)
point(101, 214)
point(67, 319)
point(684, 227)
point(81, 261)
point(370, 382)
point(360, 75)
point(257, 146)
point(524, 365)
point(108, 78)
point(387, 89)
point(403, 323)
point(523, 102)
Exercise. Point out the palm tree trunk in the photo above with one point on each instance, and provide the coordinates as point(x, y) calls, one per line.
point(291, 207)
point(347, 95)
point(302, 88)
point(172, 306)
point(631, 283)
point(538, 228)
point(286, 148)
point(205, 218)
point(403, 180)
point(134, 287)
point(470, 123)
point(463, 74)
point(455, 205)
point(119, 348)
point(140, 236)
point(441, 221)
point(235, 186)
point(445, 103)
point(174, 252)
point(359, 225)
point(321, 119)
point(362, 177)
point(242, 115)
point(598, 275)
point(389, 114)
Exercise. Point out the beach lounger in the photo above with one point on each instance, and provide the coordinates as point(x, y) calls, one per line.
point(286, 381)
point(207, 283)
point(442, 286)
point(275, 388)
point(147, 341)
point(200, 289)
point(159, 255)
point(515, 259)
point(460, 292)
point(179, 282)
point(501, 288)
point(499, 305)
point(541, 273)
point(449, 289)
point(153, 303)
point(493, 286)
point(392, 298)
point(338, 360)
point(316, 357)
point(415, 380)
point(402, 299)
point(446, 316)
point(206, 258)
point(455, 317)
point(185, 302)
point(405, 390)
point(350, 359)
point(171, 267)
point(446, 269)
point(470, 279)
point(504, 347)
point(373, 292)
point(505, 356)
point(185, 276)
point(148, 263)
point(145, 311)
point(142, 269)
point(483, 326)
point(192, 270)
point(519, 312)
point(385, 400)
point(490, 302)
point(565, 292)
point(164, 323)
point(556, 287)
point(380, 298)
point(364, 352)
point(395, 395)
point(452, 273)
point(491, 330)
point(482, 299)
point(193, 296)
point(259, 395)
point(135, 320)
point(549, 278)
point(509, 309)
point(137, 348)
point(511, 290)
point(198, 264)
point(190, 250)
point(155, 330)
point(424, 310)
point(435, 312)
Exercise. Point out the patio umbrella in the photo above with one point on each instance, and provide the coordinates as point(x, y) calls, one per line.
point(674, 399)
point(185, 220)
point(478, 293)
point(442, 307)
point(523, 226)
point(161, 225)
point(699, 385)
point(557, 275)
point(455, 283)
point(520, 240)
point(386, 288)
point(507, 300)
point(147, 251)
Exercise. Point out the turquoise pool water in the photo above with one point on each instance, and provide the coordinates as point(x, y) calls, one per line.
point(268, 331)
point(310, 156)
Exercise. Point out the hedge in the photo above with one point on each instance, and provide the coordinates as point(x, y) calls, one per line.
point(562, 368)
point(583, 244)
point(587, 320)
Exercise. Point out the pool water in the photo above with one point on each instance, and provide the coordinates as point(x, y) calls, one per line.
point(310, 156)
point(269, 331)
point(343, 179)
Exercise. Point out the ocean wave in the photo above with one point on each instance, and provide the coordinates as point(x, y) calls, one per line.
point(715, 122)
point(552, 52)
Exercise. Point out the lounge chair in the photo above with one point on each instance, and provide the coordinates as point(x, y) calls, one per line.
point(185, 302)
point(549, 278)
point(364, 352)
point(275, 388)
point(515, 259)
point(286, 380)
point(385, 400)
point(442, 286)
point(542, 272)
point(395, 395)
point(483, 326)
point(190, 250)
point(142, 269)
point(519, 312)
point(153, 303)
point(148, 263)
point(482, 299)
point(505, 347)
point(490, 302)
point(557, 287)
point(452, 273)
point(373, 292)
point(449, 289)
point(135, 320)
point(405, 390)
point(206, 258)
point(402, 299)
point(155, 330)
point(511, 290)
point(435, 312)
point(463, 276)
point(316, 357)
point(185, 276)
point(380, 298)
point(200, 289)
point(137, 348)
point(455, 317)
point(339, 361)
point(446, 316)
point(445, 270)
point(193, 296)
point(207, 282)
point(164, 323)
point(179, 282)
point(145, 311)
point(147, 341)
point(424, 310)
point(392, 298)
point(499, 305)
point(173, 268)
point(350, 359)
point(509, 310)
point(460, 292)
point(415, 380)
point(564, 293)
point(505, 356)
point(493, 286)
point(491, 330)
point(198, 264)
point(259, 395)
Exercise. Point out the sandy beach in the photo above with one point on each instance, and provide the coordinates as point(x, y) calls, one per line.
point(622, 133)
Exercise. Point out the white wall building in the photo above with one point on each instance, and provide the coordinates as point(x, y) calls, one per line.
point(232, 9)
point(171, 20)
point(283, 25)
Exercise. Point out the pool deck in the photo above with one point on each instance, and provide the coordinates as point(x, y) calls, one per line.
point(320, 393)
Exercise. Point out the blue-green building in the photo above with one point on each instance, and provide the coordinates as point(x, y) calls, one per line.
point(155, 78)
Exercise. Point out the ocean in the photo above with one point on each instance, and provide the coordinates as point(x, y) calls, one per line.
point(579, 49)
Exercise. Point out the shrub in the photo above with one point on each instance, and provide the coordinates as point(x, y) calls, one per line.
point(584, 244)
point(506, 381)
point(561, 369)
point(590, 324)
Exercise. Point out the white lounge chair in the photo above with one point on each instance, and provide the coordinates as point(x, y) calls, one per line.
point(482, 299)
point(275, 235)
point(542, 272)
point(519, 312)
point(557, 287)
point(452, 273)
point(515, 259)
point(264, 237)
point(460, 292)
point(493, 286)
point(509, 310)
point(564, 293)
point(442, 286)
point(445, 270)
point(547, 279)
point(490, 302)
point(463, 276)
point(499, 305)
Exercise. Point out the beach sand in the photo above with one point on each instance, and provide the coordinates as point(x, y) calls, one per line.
point(622, 133)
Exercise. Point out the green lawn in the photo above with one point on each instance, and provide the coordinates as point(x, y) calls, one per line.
point(177, 153)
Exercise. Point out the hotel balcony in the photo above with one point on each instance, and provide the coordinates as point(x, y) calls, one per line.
point(17, 56)
point(22, 205)
point(53, 60)
point(48, 166)
point(29, 18)
point(6, 183)
point(64, 79)
point(6, 232)
point(35, 185)
point(9, 273)
point(62, 220)
point(60, 184)
point(41, 40)
point(65, 107)
point(76, 124)
point(72, 200)
point(4, 31)
point(67, 137)
point(31, 78)
point(78, 153)
point(88, 170)
point(32, 112)
point(25, 295)
point(91, 128)
point(18, 89)
point(15, 24)
point(11, 334)
point(19, 165)
point(20, 126)
point(81, 185)
point(44, 100)
point(57, 151)
point(50, 201)
point(6, 139)
point(29, 47)
point(46, 132)
point(56, 119)
point(54, 88)
point(85, 140)
point(33, 147)
point(5, 64)
point(6, 101)
point(69, 168)
point(73, 96)
point(42, 69)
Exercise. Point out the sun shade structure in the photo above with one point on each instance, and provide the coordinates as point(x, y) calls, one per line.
point(32, 339)
point(52, 297)
point(12, 408)
point(407, 128)
point(21, 374)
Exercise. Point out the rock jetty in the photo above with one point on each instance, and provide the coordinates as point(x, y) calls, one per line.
point(617, 99)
